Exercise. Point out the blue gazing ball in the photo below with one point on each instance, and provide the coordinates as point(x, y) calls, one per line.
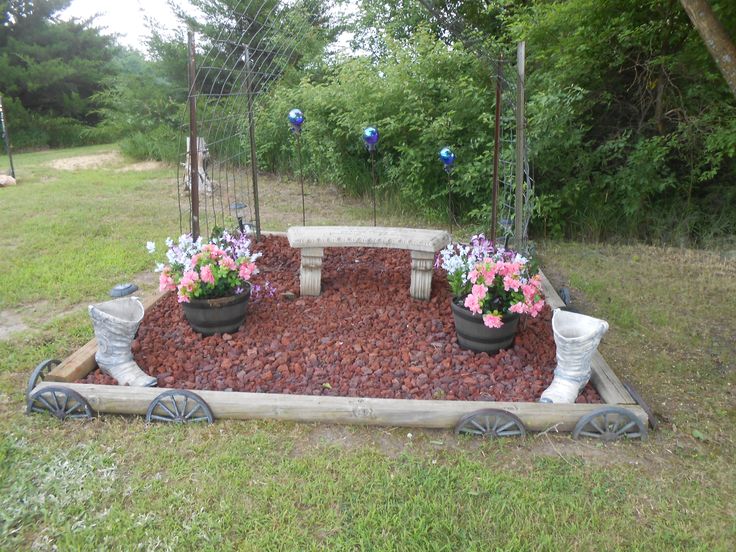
point(370, 136)
point(447, 156)
point(296, 117)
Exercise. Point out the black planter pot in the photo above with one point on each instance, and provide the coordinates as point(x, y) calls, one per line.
point(474, 335)
point(221, 315)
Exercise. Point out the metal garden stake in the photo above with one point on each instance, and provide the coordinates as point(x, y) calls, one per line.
point(296, 118)
point(447, 156)
point(370, 137)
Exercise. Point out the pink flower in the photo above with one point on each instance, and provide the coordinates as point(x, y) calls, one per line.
point(166, 282)
point(189, 278)
point(479, 290)
point(182, 297)
point(492, 321)
point(228, 263)
point(472, 303)
point(473, 276)
point(529, 291)
point(509, 269)
point(246, 271)
point(509, 282)
point(519, 307)
point(488, 269)
point(537, 308)
point(195, 260)
point(206, 275)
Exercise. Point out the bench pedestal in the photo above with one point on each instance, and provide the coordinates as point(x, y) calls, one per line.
point(422, 263)
point(310, 273)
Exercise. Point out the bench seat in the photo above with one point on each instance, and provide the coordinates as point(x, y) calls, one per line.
point(422, 243)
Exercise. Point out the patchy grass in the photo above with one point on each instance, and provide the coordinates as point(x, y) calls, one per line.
point(673, 333)
point(116, 483)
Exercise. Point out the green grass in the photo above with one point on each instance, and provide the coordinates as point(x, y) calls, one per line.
point(116, 483)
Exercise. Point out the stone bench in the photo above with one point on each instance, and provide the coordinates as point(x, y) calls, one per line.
point(312, 240)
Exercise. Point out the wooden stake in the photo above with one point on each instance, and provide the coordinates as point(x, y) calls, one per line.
point(252, 138)
point(6, 137)
point(496, 152)
point(193, 150)
point(519, 240)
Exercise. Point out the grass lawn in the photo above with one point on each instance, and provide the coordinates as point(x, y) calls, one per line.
point(77, 224)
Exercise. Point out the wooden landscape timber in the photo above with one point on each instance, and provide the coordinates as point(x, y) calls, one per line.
point(112, 399)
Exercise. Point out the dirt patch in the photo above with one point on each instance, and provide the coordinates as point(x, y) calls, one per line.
point(11, 322)
point(363, 337)
point(143, 166)
point(84, 162)
point(31, 316)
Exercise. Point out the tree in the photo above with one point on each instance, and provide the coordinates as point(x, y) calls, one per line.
point(715, 37)
point(50, 68)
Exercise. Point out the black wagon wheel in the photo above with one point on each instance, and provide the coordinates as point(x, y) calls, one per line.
point(641, 402)
point(39, 374)
point(60, 402)
point(492, 423)
point(179, 406)
point(609, 424)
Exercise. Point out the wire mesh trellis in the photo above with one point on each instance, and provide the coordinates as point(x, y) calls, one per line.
point(516, 183)
point(510, 163)
point(245, 49)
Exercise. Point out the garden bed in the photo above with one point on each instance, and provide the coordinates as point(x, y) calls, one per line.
point(364, 336)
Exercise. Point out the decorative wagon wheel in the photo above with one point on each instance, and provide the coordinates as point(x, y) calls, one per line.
point(641, 402)
point(39, 374)
point(492, 423)
point(179, 406)
point(609, 424)
point(59, 401)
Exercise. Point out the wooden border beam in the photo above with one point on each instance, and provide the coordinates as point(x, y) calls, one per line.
point(114, 399)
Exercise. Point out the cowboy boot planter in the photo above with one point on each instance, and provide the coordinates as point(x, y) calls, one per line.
point(115, 323)
point(577, 337)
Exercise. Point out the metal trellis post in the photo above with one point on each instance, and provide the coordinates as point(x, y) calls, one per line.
point(519, 203)
point(193, 152)
point(6, 137)
point(252, 137)
point(496, 152)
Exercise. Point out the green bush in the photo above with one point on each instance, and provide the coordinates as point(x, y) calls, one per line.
point(29, 130)
point(421, 96)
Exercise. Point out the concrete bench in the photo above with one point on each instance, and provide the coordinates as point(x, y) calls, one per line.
point(312, 240)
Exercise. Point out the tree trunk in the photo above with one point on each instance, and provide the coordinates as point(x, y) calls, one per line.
point(719, 44)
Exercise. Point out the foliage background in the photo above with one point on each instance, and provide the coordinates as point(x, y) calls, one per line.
point(632, 129)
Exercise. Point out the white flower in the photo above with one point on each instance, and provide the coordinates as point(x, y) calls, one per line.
point(151, 246)
point(160, 267)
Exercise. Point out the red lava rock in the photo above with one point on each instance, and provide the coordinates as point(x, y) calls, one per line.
point(364, 335)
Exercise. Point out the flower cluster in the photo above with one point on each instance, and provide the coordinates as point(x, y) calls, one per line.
point(218, 268)
point(491, 282)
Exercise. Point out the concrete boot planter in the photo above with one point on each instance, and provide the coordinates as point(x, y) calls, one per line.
point(115, 323)
point(577, 337)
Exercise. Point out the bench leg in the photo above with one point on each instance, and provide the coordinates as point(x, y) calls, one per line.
point(310, 274)
point(422, 264)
